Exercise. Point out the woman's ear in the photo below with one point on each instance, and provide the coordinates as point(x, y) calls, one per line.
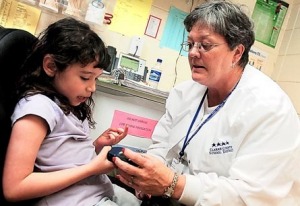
point(49, 65)
point(238, 53)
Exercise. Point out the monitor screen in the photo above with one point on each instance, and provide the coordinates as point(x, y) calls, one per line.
point(129, 63)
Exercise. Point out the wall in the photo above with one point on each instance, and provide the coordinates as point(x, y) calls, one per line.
point(106, 105)
point(151, 50)
point(287, 71)
point(281, 63)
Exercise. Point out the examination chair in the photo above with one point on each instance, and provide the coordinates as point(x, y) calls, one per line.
point(14, 47)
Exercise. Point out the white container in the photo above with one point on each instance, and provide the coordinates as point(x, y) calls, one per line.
point(155, 74)
point(95, 12)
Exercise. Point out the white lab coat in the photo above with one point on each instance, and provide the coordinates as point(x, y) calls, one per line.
point(247, 154)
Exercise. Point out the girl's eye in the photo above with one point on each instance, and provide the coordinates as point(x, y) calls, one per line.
point(85, 79)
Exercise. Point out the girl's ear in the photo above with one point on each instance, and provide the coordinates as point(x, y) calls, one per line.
point(49, 65)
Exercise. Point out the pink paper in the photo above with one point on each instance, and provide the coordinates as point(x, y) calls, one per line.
point(137, 126)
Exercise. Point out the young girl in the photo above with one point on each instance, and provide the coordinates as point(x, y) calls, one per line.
point(51, 156)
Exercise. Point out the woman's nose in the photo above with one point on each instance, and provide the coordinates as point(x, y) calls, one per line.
point(194, 52)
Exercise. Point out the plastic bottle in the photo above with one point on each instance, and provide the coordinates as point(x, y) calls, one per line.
point(155, 74)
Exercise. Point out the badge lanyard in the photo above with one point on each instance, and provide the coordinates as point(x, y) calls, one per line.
point(187, 138)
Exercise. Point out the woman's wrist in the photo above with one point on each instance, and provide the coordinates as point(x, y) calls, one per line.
point(178, 190)
point(168, 192)
point(175, 188)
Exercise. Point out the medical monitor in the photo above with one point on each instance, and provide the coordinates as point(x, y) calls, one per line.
point(131, 64)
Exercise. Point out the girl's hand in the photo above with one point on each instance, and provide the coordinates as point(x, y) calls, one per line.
point(110, 137)
point(100, 164)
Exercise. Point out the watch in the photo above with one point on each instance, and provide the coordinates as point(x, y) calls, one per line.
point(170, 190)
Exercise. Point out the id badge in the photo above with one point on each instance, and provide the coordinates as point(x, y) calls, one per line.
point(177, 165)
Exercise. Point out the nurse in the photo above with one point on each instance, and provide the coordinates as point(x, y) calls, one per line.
point(230, 136)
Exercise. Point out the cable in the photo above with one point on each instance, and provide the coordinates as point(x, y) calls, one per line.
point(136, 49)
point(179, 53)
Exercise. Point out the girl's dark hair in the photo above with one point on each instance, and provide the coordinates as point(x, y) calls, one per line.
point(68, 41)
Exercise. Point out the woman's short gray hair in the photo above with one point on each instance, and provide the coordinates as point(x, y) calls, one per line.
point(227, 19)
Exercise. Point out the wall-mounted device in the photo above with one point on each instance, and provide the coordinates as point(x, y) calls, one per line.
point(134, 67)
point(136, 46)
point(112, 53)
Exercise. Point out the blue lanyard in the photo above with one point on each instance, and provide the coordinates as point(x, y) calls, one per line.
point(187, 139)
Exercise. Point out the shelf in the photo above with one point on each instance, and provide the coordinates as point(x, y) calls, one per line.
point(115, 89)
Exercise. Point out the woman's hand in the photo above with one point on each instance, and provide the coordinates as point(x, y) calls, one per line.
point(151, 177)
point(142, 196)
point(110, 137)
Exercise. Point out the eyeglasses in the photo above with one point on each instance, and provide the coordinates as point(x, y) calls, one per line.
point(204, 47)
